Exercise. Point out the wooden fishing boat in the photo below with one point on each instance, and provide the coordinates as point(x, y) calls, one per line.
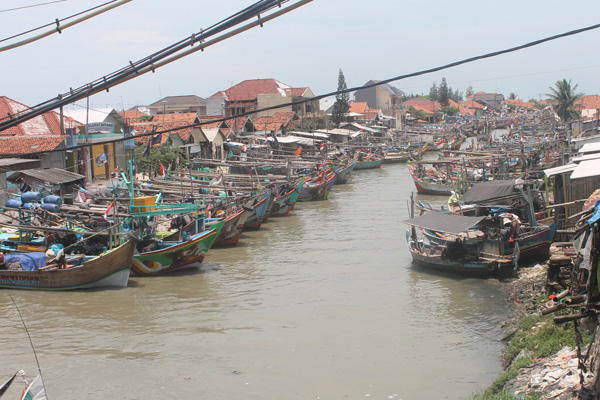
point(111, 268)
point(171, 257)
point(286, 202)
point(478, 256)
point(344, 172)
point(258, 209)
point(314, 189)
point(396, 157)
point(231, 232)
point(370, 162)
point(433, 186)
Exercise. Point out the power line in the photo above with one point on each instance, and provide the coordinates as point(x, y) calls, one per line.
point(59, 28)
point(33, 5)
point(54, 23)
point(150, 63)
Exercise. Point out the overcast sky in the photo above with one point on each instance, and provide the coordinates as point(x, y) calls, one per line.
point(376, 39)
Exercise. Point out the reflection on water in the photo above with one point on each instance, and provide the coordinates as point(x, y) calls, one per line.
point(324, 304)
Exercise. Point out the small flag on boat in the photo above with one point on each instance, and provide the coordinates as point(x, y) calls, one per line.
point(299, 151)
point(108, 210)
point(35, 391)
point(230, 153)
point(162, 170)
point(156, 139)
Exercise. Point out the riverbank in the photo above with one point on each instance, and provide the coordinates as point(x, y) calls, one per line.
point(541, 358)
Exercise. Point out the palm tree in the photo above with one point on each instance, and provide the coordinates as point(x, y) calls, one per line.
point(563, 99)
point(512, 96)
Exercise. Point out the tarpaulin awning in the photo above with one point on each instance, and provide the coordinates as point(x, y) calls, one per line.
point(488, 190)
point(447, 223)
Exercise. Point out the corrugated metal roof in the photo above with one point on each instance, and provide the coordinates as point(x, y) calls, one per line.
point(55, 176)
point(586, 157)
point(590, 148)
point(586, 169)
point(559, 170)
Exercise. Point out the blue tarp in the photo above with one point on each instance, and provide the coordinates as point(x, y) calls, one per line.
point(29, 261)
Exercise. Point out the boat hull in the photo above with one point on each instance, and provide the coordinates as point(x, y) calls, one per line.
point(108, 269)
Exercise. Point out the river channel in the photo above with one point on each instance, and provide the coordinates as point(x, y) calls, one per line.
point(323, 304)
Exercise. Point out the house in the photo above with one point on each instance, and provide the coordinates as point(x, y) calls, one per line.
point(493, 100)
point(179, 105)
point(39, 134)
point(135, 115)
point(385, 96)
point(183, 134)
point(589, 106)
point(476, 108)
point(274, 124)
point(96, 125)
point(216, 134)
point(240, 126)
point(254, 94)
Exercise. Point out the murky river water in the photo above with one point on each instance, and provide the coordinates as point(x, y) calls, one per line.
point(324, 304)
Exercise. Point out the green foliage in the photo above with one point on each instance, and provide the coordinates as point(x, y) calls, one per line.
point(444, 93)
point(512, 96)
point(417, 114)
point(469, 92)
point(511, 106)
point(309, 125)
point(450, 110)
point(145, 118)
point(542, 337)
point(341, 106)
point(164, 154)
point(434, 92)
point(563, 98)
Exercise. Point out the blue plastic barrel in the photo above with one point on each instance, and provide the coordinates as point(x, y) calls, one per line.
point(52, 199)
point(50, 207)
point(27, 206)
point(14, 203)
point(30, 197)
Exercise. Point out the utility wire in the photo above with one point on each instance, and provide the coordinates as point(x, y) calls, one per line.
point(59, 28)
point(133, 69)
point(33, 5)
point(53, 23)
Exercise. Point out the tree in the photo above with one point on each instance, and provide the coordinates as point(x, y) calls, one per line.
point(434, 92)
point(450, 110)
point(444, 93)
point(512, 96)
point(417, 114)
point(457, 96)
point(563, 98)
point(341, 106)
point(164, 154)
point(469, 92)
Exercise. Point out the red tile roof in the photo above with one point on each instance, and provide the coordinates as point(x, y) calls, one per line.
point(472, 104)
point(371, 114)
point(250, 89)
point(424, 104)
point(590, 102)
point(21, 145)
point(171, 121)
point(358, 107)
point(521, 103)
point(45, 124)
point(275, 122)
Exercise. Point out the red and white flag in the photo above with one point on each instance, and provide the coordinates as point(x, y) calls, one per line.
point(162, 170)
point(108, 210)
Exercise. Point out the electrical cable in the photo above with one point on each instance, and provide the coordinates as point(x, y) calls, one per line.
point(33, 5)
point(110, 80)
point(54, 23)
point(59, 28)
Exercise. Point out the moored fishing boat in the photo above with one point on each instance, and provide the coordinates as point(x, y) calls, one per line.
point(283, 204)
point(430, 185)
point(370, 161)
point(169, 257)
point(110, 268)
point(473, 254)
